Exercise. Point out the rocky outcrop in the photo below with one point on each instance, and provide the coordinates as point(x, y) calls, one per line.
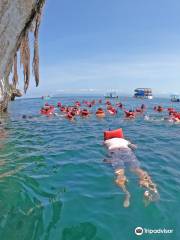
point(14, 92)
point(17, 18)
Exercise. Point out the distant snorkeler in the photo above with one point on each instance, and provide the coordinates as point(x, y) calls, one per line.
point(169, 119)
point(121, 154)
point(27, 117)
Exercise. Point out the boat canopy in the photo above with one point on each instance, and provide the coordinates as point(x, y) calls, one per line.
point(145, 90)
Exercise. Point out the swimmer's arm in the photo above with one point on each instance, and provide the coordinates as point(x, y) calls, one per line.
point(132, 146)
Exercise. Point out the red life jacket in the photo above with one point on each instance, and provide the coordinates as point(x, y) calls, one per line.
point(171, 109)
point(130, 114)
point(139, 110)
point(100, 111)
point(84, 113)
point(113, 134)
point(47, 112)
point(69, 116)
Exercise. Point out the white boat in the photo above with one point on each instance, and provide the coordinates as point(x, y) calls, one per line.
point(111, 95)
point(175, 98)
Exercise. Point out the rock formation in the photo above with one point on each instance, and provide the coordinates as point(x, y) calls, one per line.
point(17, 19)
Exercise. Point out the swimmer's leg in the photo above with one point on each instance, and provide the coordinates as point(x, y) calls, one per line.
point(121, 180)
point(145, 179)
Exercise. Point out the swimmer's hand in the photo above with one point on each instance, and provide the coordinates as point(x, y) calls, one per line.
point(108, 160)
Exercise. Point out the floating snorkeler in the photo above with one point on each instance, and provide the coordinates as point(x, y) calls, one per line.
point(121, 153)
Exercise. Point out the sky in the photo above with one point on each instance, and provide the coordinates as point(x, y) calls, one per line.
point(100, 45)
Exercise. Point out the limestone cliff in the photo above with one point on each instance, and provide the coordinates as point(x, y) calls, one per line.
point(17, 18)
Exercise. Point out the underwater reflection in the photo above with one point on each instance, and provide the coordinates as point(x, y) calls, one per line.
point(27, 216)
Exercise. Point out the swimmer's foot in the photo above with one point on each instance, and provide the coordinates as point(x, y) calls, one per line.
point(151, 196)
point(126, 203)
point(121, 181)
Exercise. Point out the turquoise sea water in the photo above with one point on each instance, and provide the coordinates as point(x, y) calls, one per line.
point(55, 186)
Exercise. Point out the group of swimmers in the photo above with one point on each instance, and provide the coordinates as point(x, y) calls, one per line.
point(173, 115)
point(84, 109)
point(120, 150)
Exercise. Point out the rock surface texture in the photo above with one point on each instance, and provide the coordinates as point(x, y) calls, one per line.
point(17, 18)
